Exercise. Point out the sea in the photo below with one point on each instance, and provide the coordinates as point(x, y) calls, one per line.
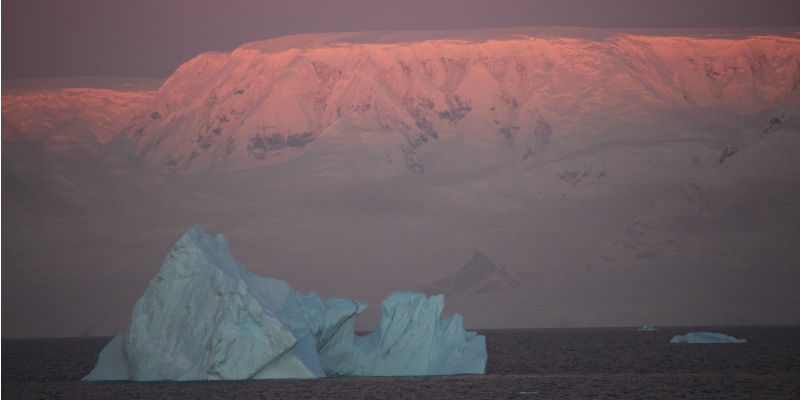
point(585, 363)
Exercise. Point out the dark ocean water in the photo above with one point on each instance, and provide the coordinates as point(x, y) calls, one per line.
point(531, 364)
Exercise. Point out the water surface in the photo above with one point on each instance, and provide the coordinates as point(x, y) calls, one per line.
point(535, 364)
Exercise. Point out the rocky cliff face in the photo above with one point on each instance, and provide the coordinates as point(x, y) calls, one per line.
point(514, 91)
point(479, 275)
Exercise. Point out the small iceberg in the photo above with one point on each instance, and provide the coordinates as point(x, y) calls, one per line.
point(647, 328)
point(705, 337)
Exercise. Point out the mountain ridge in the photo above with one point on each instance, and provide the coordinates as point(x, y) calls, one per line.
point(264, 102)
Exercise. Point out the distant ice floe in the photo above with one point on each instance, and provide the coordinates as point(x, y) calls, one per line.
point(705, 337)
point(205, 317)
point(647, 328)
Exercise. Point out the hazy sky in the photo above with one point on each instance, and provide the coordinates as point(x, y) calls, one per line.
point(49, 38)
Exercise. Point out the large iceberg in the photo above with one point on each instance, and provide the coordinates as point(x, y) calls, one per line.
point(705, 337)
point(205, 317)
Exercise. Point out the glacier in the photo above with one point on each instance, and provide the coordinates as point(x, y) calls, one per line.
point(205, 317)
point(705, 337)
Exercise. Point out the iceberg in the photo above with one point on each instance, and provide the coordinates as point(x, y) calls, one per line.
point(647, 328)
point(205, 317)
point(705, 337)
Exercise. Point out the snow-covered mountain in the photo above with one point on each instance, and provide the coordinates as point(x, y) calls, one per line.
point(625, 178)
point(509, 94)
point(70, 111)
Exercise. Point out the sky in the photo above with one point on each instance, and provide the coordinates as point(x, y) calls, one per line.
point(150, 38)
